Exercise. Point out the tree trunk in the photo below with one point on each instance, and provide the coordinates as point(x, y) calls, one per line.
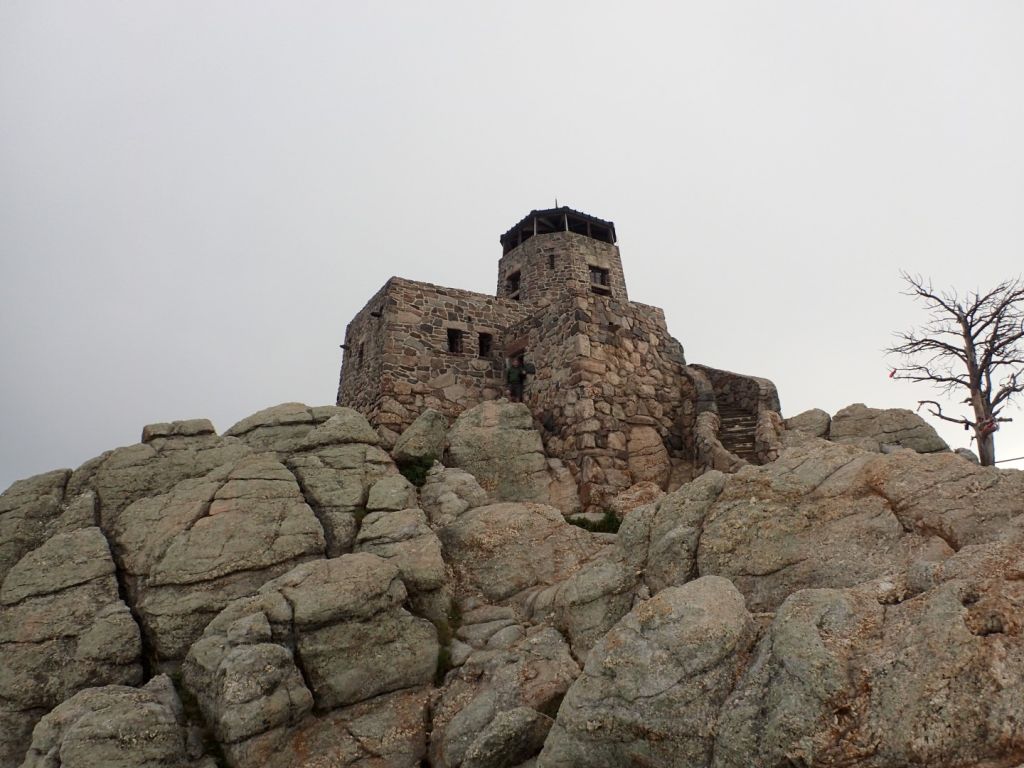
point(982, 432)
point(986, 449)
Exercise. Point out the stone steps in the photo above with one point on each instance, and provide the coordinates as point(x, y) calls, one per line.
point(737, 432)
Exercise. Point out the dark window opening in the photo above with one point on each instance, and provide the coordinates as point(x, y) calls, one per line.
point(600, 280)
point(455, 341)
point(360, 357)
point(551, 261)
point(512, 285)
point(486, 344)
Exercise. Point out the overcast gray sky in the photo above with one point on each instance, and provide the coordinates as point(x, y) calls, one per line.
point(195, 197)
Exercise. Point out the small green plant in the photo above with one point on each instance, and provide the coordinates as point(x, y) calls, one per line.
point(609, 523)
point(415, 470)
point(444, 664)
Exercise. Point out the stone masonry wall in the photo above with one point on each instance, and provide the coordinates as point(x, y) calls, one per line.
point(748, 393)
point(416, 370)
point(612, 395)
point(550, 265)
point(362, 366)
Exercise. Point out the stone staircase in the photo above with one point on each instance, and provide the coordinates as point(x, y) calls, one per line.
point(737, 432)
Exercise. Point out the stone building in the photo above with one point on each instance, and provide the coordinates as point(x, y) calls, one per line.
point(613, 395)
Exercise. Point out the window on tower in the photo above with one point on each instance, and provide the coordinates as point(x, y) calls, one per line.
point(600, 281)
point(512, 285)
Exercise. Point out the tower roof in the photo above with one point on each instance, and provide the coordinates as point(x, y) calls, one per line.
point(563, 219)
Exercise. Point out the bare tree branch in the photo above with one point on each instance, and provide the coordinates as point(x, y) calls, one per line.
point(937, 412)
point(973, 342)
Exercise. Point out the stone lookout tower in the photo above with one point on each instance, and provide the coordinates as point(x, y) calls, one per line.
point(613, 394)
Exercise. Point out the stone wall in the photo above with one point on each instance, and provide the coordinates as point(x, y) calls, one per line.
point(748, 393)
point(613, 395)
point(550, 266)
point(363, 360)
point(406, 326)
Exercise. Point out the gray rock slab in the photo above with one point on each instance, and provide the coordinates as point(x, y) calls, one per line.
point(503, 549)
point(449, 492)
point(113, 727)
point(652, 687)
point(63, 628)
point(533, 673)
point(497, 444)
point(423, 440)
point(873, 428)
point(189, 552)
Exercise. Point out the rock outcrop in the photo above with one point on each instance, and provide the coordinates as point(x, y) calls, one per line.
point(189, 552)
point(652, 688)
point(497, 443)
point(876, 429)
point(63, 628)
point(423, 440)
point(117, 727)
point(327, 635)
point(482, 702)
point(848, 602)
point(501, 550)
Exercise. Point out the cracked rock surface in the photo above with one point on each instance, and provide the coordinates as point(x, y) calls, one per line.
point(652, 687)
point(326, 635)
point(188, 552)
point(846, 604)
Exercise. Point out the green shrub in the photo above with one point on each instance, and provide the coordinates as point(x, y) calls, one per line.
point(607, 524)
point(415, 471)
point(444, 664)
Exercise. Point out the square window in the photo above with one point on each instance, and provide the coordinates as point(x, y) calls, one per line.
point(455, 341)
point(512, 285)
point(486, 345)
point(600, 280)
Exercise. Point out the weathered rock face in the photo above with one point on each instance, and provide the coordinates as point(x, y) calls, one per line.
point(29, 510)
point(814, 422)
point(285, 427)
point(114, 727)
point(497, 444)
point(648, 456)
point(423, 440)
point(501, 550)
point(840, 679)
point(887, 588)
point(173, 453)
point(874, 429)
point(447, 493)
point(342, 621)
point(823, 515)
point(480, 706)
point(63, 628)
point(651, 690)
point(638, 495)
point(338, 465)
point(405, 539)
point(188, 553)
point(810, 519)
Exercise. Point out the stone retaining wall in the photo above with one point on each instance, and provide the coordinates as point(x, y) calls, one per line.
point(748, 393)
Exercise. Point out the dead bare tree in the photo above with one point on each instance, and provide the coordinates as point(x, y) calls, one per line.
point(973, 343)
